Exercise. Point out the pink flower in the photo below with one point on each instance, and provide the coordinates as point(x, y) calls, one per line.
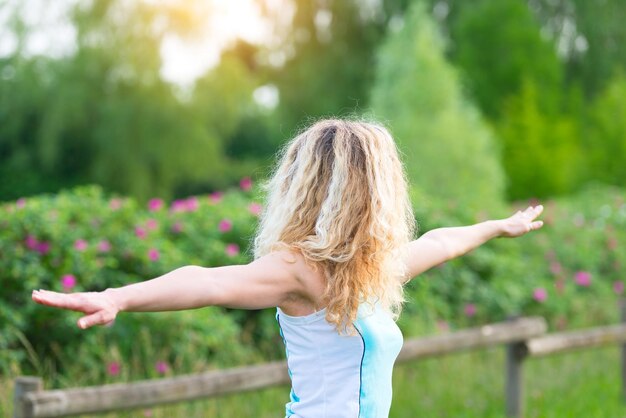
point(611, 243)
point(152, 224)
point(255, 208)
point(31, 242)
point(245, 184)
point(582, 278)
point(178, 206)
point(147, 412)
point(177, 227)
point(155, 204)
point(161, 367)
point(469, 310)
point(216, 197)
point(116, 203)
point(113, 368)
point(185, 205)
point(68, 281)
point(80, 245)
point(140, 232)
point(192, 204)
point(153, 254)
point(556, 268)
point(540, 294)
point(232, 250)
point(104, 246)
point(43, 247)
point(550, 255)
point(20, 203)
point(618, 287)
point(225, 225)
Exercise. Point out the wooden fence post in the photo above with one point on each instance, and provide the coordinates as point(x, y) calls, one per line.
point(622, 303)
point(24, 385)
point(516, 352)
point(515, 355)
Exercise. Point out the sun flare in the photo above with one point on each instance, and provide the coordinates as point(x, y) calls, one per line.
point(186, 59)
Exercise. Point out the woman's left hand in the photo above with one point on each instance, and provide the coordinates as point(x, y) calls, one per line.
point(522, 222)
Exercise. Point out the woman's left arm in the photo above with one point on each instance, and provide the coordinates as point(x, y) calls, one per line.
point(443, 244)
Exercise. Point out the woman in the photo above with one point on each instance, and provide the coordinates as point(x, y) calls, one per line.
point(332, 254)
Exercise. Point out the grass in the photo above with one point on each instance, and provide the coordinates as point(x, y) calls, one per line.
point(583, 384)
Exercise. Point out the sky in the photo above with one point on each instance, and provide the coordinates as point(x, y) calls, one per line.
point(183, 60)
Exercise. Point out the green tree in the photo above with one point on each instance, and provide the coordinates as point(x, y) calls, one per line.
point(605, 142)
point(498, 44)
point(103, 114)
point(541, 150)
point(590, 35)
point(449, 150)
point(330, 50)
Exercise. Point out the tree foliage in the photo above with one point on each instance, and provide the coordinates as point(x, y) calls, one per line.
point(541, 150)
point(449, 150)
point(330, 67)
point(498, 44)
point(545, 74)
point(589, 35)
point(605, 142)
point(104, 114)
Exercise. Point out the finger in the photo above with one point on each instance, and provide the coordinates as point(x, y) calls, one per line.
point(536, 225)
point(58, 300)
point(98, 318)
point(533, 211)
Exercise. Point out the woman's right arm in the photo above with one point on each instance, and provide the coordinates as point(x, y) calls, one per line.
point(265, 282)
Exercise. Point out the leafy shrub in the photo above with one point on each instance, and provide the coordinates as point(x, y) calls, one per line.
point(80, 240)
point(571, 271)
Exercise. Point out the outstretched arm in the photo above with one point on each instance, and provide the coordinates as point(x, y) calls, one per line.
point(266, 282)
point(442, 244)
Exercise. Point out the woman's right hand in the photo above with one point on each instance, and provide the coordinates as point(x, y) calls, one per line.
point(99, 307)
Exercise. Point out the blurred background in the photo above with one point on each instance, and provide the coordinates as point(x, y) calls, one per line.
point(134, 134)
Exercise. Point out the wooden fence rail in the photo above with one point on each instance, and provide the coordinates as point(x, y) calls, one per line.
point(524, 337)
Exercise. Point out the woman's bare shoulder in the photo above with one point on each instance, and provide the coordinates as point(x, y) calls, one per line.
point(310, 276)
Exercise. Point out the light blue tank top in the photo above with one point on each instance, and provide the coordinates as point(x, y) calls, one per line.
point(340, 376)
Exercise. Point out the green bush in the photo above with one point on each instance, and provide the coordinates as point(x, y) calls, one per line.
point(80, 240)
point(570, 271)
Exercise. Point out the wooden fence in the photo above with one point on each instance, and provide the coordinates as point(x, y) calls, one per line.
point(523, 337)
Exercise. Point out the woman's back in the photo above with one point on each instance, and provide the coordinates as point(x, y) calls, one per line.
point(336, 375)
point(340, 375)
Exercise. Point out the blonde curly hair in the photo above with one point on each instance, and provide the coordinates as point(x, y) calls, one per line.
point(339, 196)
